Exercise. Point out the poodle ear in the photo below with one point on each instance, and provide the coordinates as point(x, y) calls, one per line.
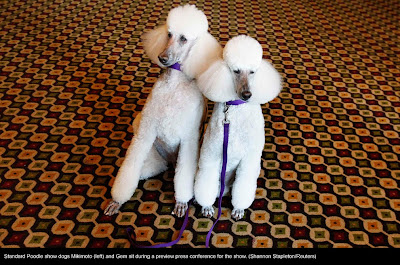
point(266, 84)
point(154, 43)
point(216, 83)
point(204, 52)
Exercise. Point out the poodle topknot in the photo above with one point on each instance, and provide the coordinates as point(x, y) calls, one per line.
point(243, 52)
point(187, 20)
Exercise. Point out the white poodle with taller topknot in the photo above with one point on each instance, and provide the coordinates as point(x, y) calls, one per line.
point(243, 75)
point(167, 130)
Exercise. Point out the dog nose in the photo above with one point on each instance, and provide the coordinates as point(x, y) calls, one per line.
point(163, 60)
point(246, 95)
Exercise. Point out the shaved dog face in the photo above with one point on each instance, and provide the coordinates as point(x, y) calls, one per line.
point(177, 49)
point(242, 79)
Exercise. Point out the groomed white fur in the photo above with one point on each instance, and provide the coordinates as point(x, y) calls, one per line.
point(187, 20)
point(172, 114)
point(236, 46)
point(192, 23)
point(246, 136)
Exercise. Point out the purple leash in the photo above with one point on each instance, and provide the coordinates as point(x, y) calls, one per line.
point(131, 231)
point(224, 162)
point(131, 234)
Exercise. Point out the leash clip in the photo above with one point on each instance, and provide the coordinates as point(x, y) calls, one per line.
point(226, 108)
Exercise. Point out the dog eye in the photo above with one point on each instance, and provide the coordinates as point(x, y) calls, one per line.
point(236, 71)
point(169, 34)
point(183, 39)
point(251, 72)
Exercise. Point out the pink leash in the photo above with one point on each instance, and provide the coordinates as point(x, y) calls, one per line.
point(224, 162)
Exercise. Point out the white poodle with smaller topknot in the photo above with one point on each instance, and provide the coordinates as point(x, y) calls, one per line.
point(242, 74)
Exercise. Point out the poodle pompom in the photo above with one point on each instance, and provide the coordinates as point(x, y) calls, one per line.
point(154, 43)
point(266, 84)
point(216, 83)
point(244, 52)
point(187, 20)
point(205, 51)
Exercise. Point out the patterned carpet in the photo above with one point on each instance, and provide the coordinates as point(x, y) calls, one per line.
point(73, 77)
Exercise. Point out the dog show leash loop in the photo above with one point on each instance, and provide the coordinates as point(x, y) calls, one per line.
point(224, 163)
point(131, 234)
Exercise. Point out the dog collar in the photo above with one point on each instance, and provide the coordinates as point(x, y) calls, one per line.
point(235, 102)
point(175, 66)
point(228, 104)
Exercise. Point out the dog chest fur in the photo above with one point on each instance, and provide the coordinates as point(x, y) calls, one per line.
point(180, 104)
point(245, 132)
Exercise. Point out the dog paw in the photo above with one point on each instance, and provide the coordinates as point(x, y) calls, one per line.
point(237, 214)
point(208, 211)
point(180, 209)
point(112, 208)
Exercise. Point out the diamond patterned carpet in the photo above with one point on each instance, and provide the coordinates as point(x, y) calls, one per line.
point(73, 76)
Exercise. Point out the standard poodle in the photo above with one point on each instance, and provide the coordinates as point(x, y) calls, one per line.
point(241, 75)
point(167, 130)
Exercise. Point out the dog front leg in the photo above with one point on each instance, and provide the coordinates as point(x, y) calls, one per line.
point(128, 175)
point(185, 171)
point(245, 185)
point(206, 188)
